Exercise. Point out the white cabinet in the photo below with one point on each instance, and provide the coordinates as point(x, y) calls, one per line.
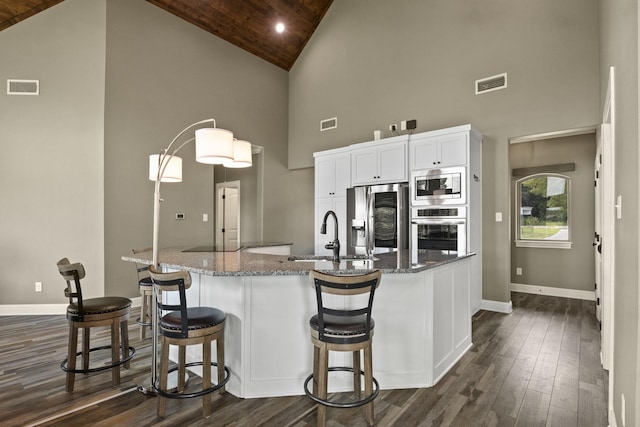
point(383, 163)
point(332, 178)
point(332, 175)
point(439, 151)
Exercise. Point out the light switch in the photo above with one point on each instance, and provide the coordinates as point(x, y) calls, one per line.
point(205, 217)
point(498, 216)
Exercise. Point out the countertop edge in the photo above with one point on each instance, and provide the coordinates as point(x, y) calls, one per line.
point(249, 264)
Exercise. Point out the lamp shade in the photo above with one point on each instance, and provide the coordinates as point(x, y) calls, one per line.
point(172, 172)
point(241, 155)
point(214, 146)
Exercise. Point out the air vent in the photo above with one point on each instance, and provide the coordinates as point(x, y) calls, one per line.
point(491, 83)
point(327, 124)
point(23, 87)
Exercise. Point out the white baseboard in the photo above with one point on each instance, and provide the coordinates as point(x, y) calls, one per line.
point(498, 306)
point(43, 309)
point(612, 419)
point(553, 292)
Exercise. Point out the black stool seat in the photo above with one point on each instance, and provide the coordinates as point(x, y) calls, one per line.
point(145, 281)
point(342, 326)
point(97, 306)
point(197, 318)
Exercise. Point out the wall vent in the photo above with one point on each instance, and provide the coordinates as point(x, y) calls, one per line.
point(327, 124)
point(23, 87)
point(492, 83)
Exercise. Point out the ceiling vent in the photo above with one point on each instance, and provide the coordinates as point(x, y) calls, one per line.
point(23, 87)
point(327, 124)
point(491, 83)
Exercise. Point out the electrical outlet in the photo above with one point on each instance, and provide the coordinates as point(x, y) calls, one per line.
point(518, 271)
point(393, 127)
point(38, 286)
point(179, 216)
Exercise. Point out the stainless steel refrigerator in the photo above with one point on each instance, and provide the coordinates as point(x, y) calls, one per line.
point(377, 219)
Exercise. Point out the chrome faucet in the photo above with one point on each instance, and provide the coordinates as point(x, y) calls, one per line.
point(335, 245)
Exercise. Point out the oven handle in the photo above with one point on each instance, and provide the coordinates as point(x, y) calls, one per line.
point(439, 221)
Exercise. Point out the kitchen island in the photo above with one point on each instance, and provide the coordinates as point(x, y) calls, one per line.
point(422, 313)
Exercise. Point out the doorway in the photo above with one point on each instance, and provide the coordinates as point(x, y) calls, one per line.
point(228, 215)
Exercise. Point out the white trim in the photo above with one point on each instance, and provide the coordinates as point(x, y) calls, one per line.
point(43, 309)
point(554, 134)
point(497, 306)
point(553, 291)
point(544, 244)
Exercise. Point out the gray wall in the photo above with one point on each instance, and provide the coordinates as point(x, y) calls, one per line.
point(52, 152)
point(561, 268)
point(373, 63)
point(162, 75)
point(619, 48)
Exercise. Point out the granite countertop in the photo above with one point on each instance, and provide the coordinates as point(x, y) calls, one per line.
point(243, 245)
point(251, 264)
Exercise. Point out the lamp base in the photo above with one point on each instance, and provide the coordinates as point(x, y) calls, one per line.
point(172, 384)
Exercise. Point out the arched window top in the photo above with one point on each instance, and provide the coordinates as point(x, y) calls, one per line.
point(543, 211)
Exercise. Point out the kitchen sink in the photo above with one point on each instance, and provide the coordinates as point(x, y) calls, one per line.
point(315, 258)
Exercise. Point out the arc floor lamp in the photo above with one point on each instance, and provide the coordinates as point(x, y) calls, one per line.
point(213, 146)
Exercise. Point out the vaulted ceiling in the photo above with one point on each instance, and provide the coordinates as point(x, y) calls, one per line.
point(248, 24)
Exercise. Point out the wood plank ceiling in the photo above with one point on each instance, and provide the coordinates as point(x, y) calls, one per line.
point(248, 24)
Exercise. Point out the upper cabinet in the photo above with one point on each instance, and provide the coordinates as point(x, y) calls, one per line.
point(430, 152)
point(380, 163)
point(332, 174)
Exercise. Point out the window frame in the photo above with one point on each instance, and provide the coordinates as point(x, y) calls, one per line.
point(543, 244)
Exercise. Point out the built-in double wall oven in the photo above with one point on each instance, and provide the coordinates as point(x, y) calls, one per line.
point(440, 228)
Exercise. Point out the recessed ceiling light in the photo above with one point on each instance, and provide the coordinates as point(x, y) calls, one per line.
point(280, 27)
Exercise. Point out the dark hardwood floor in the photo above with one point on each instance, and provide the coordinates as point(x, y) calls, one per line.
point(536, 366)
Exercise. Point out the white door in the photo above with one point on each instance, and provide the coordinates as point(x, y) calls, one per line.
point(597, 238)
point(228, 215)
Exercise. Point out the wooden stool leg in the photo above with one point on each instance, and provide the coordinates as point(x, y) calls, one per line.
point(206, 375)
point(71, 356)
point(124, 338)
point(368, 383)
point(356, 373)
point(115, 351)
point(85, 348)
point(323, 373)
point(163, 372)
point(220, 360)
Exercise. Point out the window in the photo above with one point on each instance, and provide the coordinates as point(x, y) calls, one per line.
point(543, 211)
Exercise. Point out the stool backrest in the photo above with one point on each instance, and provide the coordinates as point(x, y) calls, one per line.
point(141, 269)
point(178, 281)
point(348, 285)
point(72, 273)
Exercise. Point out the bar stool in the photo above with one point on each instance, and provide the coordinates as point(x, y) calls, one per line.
point(146, 293)
point(88, 313)
point(183, 326)
point(339, 329)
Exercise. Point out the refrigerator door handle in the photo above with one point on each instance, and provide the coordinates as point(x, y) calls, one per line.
point(370, 222)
